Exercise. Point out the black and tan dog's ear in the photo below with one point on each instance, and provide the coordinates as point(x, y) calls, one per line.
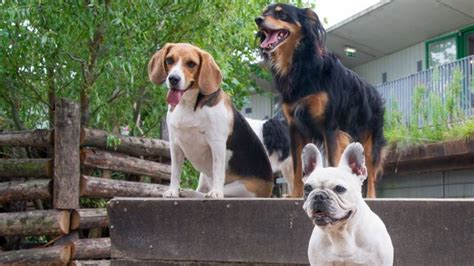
point(353, 160)
point(156, 66)
point(210, 76)
point(311, 159)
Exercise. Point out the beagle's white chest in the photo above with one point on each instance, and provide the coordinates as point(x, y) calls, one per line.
point(194, 131)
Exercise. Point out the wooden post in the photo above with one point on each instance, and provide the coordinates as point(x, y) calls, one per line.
point(93, 248)
point(25, 190)
point(48, 222)
point(56, 255)
point(66, 155)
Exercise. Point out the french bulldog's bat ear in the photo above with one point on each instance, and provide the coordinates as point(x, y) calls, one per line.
point(311, 158)
point(353, 160)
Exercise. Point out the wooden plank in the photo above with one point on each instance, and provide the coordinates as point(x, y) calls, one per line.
point(123, 163)
point(92, 248)
point(95, 187)
point(425, 232)
point(56, 255)
point(25, 190)
point(89, 218)
point(66, 155)
point(39, 138)
point(13, 168)
point(135, 146)
point(44, 222)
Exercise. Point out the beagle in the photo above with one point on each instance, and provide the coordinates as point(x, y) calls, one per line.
point(206, 129)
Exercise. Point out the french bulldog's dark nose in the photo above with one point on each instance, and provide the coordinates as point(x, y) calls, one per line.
point(320, 196)
point(174, 79)
point(259, 21)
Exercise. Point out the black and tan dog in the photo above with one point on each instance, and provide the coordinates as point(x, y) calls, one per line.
point(323, 101)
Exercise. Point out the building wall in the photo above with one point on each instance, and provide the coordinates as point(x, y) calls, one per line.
point(258, 107)
point(396, 65)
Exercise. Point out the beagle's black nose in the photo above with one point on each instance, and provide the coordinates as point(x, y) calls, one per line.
point(174, 79)
point(259, 21)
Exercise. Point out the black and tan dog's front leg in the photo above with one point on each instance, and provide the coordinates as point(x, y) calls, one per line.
point(298, 141)
point(335, 141)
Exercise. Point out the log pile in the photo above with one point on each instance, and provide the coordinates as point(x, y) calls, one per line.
point(58, 182)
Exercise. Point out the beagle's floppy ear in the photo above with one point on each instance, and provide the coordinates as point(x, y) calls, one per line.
point(210, 76)
point(156, 66)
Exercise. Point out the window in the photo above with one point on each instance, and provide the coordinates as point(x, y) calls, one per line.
point(442, 51)
point(384, 77)
point(470, 44)
point(419, 66)
point(248, 110)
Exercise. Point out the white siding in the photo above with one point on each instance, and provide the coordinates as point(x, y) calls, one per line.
point(397, 65)
point(261, 107)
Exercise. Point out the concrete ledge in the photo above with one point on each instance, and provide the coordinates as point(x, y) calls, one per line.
point(276, 231)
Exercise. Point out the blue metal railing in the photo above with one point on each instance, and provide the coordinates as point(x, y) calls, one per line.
point(399, 93)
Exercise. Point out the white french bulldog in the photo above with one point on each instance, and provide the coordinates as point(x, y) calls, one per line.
point(346, 231)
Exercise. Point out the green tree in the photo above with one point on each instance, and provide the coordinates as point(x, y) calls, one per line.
point(96, 52)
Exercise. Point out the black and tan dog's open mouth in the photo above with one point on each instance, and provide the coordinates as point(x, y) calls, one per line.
point(273, 38)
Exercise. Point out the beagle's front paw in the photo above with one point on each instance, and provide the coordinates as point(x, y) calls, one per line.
point(215, 194)
point(171, 193)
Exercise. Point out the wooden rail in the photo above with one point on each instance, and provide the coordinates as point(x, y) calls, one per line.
point(134, 146)
point(123, 163)
point(15, 168)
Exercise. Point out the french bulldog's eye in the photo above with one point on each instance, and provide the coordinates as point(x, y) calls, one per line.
point(339, 189)
point(307, 190)
point(169, 61)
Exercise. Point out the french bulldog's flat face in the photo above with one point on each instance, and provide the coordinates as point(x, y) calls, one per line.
point(332, 194)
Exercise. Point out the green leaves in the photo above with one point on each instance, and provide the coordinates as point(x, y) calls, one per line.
point(96, 48)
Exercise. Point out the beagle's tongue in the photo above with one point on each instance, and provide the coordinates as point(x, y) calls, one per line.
point(174, 96)
point(272, 37)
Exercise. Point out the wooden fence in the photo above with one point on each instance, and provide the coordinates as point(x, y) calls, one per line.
point(65, 177)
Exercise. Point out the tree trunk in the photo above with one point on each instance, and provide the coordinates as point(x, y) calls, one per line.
point(56, 255)
point(48, 222)
point(40, 138)
point(93, 248)
point(124, 163)
point(135, 146)
point(67, 171)
point(89, 218)
point(26, 168)
point(25, 190)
